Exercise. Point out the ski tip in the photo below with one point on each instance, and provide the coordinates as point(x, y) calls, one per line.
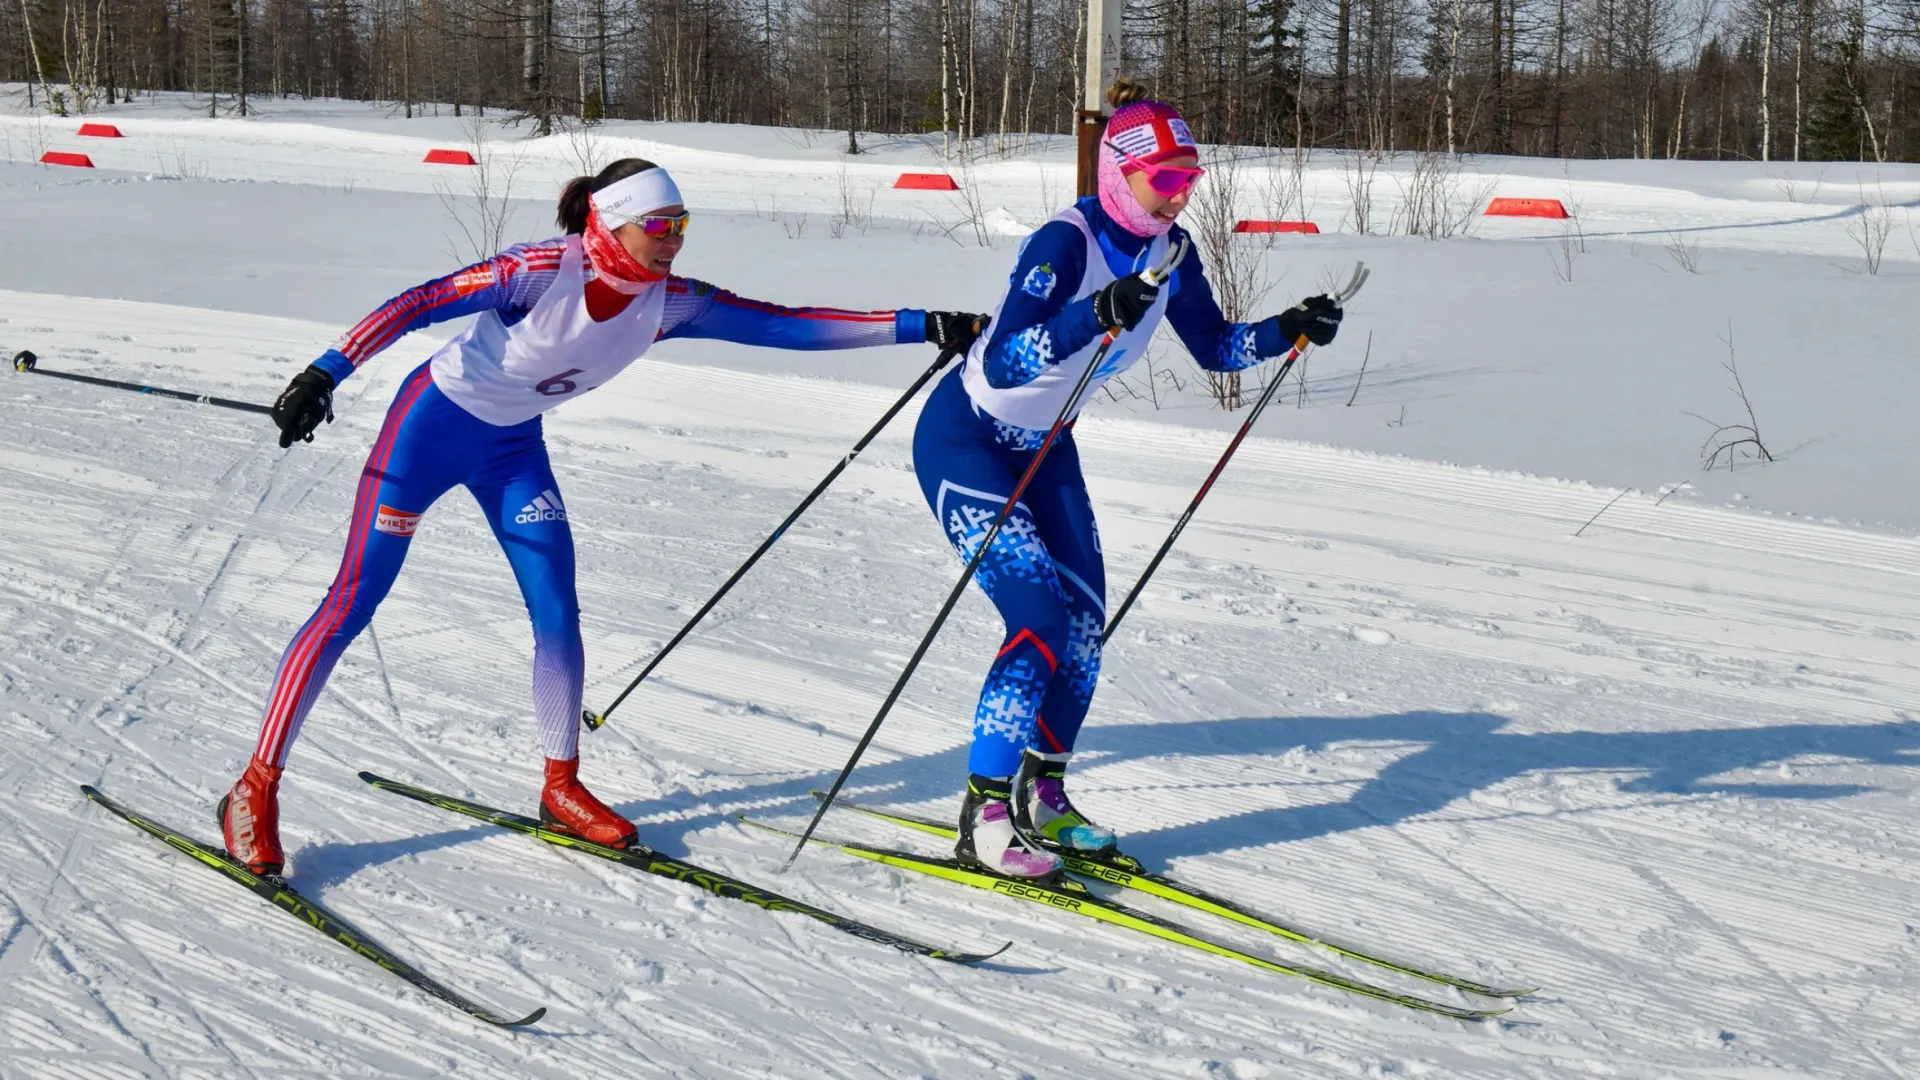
point(372, 778)
point(89, 791)
point(981, 958)
point(531, 1018)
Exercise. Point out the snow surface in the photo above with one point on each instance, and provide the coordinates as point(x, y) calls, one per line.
point(1665, 769)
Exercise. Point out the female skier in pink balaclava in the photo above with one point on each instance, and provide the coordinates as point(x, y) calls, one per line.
point(1078, 277)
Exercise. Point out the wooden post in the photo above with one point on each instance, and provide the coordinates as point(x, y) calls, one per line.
point(1105, 39)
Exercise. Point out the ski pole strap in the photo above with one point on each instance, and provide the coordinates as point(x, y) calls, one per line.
point(25, 361)
point(593, 720)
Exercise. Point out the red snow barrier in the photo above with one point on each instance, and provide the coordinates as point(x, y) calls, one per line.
point(100, 131)
point(1546, 208)
point(61, 157)
point(926, 181)
point(1258, 226)
point(449, 157)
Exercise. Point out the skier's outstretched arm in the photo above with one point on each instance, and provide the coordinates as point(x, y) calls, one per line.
point(696, 309)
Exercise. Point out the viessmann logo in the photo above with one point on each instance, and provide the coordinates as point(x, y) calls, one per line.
point(397, 522)
point(545, 507)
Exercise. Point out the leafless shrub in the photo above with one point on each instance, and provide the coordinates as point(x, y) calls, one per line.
point(1685, 250)
point(1871, 226)
point(180, 165)
point(480, 202)
point(36, 139)
point(1050, 190)
point(1575, 206)
point(852, 210)
point(972, 205)
point(1729, 444)
point(1357, 172)
point(1402, 421)
point(1596, 514)
point(1284, 186)
point(794, 224)
point(1435, 202)
point(1363, 370)
point(1665, 491)
point(584, 147)
point(1789, 186)
point(1236, 262)
point(1157, 387)
point(1569, 247)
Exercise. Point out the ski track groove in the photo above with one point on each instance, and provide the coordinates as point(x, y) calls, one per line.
point(1677, 618)
point(61, 876)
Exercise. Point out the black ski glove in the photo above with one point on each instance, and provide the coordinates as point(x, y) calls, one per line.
point(954, 331)
point(306, 401)
point(1124, 302)
point(1317, 317)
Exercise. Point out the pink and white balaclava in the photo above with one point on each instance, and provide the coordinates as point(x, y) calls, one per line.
point(1151, 131)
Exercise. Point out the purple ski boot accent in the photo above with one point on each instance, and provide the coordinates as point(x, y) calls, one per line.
point(1011, 858)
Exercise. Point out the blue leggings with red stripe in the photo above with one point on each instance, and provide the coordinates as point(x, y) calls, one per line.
point(426, 447)
point(1044, 572)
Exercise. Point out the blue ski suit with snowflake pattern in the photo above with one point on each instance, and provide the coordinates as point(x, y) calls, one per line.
point(1045, 572)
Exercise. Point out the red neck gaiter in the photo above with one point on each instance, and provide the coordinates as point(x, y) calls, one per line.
point(614, 264)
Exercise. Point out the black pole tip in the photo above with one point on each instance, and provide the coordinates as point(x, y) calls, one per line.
point(24, 360)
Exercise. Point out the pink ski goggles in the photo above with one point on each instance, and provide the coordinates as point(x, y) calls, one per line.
point(1167, 181)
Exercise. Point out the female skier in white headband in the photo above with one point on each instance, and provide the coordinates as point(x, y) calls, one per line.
point(555, 319)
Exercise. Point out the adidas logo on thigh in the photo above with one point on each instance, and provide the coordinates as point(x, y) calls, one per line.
point(545, 507)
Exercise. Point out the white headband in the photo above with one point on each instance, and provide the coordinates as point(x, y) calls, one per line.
point(638, 195)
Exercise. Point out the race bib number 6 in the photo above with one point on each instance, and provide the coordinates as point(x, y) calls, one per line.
point(559, 384)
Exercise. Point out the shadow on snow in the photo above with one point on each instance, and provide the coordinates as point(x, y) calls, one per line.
point(1449, 757)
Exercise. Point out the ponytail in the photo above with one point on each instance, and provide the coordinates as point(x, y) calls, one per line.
point(573, 198)
point(1125, 91)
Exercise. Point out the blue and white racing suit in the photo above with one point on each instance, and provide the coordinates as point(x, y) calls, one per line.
point(982, 427)
point(470, 417)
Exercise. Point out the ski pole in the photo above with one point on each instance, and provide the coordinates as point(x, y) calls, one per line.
point(1360, 275)
point(1153, 276)
point(592, 719)
point(24, 360)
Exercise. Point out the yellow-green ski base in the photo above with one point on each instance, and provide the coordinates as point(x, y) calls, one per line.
point(1077, 898)
point(283, 896)
point(1128, 873)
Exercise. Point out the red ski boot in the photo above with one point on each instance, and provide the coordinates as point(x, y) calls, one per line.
point(565, 802)
point(250, 819)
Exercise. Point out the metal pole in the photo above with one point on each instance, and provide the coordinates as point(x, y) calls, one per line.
point(1106, 41)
